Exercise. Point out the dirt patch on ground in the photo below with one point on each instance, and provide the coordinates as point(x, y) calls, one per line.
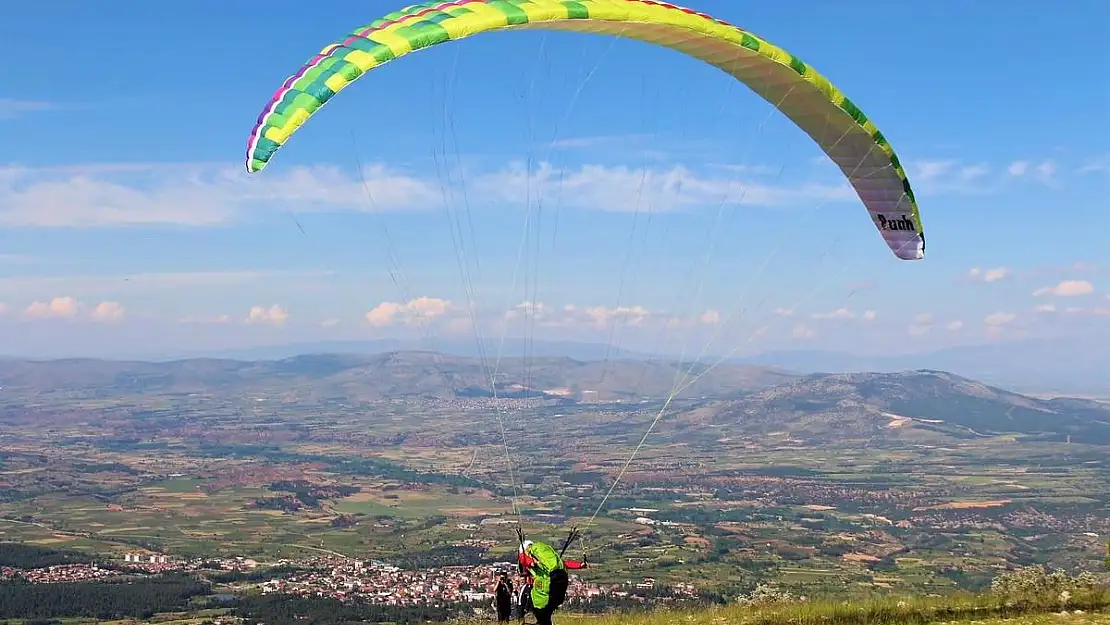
point(469, 512)
point(968, 505)
point(859, 557)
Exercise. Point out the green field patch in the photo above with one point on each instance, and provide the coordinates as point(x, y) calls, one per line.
point(122, 530)
point(373, 508)
point(177, 485)
point(53, 540)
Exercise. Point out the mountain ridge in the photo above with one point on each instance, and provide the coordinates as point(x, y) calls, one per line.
point(408, 373)
point(923, 405)
point(919, 406)
point(1031, 365)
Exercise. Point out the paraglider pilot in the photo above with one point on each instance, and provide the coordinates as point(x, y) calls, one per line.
point(548, 571)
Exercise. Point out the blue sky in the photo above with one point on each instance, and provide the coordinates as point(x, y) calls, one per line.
point(667, 205)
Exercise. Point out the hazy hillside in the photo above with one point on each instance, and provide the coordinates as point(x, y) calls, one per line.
point(907, 405)
point(366, 377)
point(917, 406)
point(469, 348)
point(1031, 365)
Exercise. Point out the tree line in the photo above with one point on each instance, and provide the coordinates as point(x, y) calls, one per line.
point(104, 600)
point(21, 556)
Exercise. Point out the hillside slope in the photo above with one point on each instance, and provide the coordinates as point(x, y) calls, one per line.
point(917, 404)
point(377, 376)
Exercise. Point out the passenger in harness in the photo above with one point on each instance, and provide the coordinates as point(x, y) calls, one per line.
point(548, 571)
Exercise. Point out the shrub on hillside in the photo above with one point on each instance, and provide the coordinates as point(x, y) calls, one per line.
point(768, 594)
point(1038, 585)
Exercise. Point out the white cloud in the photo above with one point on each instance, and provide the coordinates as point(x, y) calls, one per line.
point(928, 170)
point(1067, 288)
point(1045, 308)
point(209, 319)
point(999, 319)
point(632, 315)
point(601, 316)
point(622, 189)
point(199, 195)
point(274, 315)
point(194, 194)
point(954, 326)
point(710, 317)
point(35, 286)
point(996, 323)
point(784, 312)
point(1096, 311)
point(532, 310)
point(869, 315)
point(330, 322)
point(209, 194)
point(409, 313)
point(921, 324)
point(10, 108)
point(597, 141)
point(763, 170)
point(454, 318)
point(972, 172)
point(802, 332)
point(57, 307)
point(839, 313)
point(107, 312)
point(989, 275)
point(952, 176)
point(1097, 164)
point(1045, 171)
point(3, 308)
point(67, 307)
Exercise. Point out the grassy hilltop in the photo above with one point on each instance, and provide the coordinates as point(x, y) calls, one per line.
point(1033, 594)
point(840, 614)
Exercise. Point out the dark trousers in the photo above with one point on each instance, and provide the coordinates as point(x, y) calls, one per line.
point(525, 602)
point(558, 593)
point(543, 617)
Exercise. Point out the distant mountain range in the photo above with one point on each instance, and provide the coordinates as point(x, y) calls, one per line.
point(919, 407)
point(1034, 366)
point(913, 406)
point(509, 349)
point(359, 377)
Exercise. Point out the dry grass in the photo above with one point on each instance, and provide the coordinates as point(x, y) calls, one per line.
point(1089, 608)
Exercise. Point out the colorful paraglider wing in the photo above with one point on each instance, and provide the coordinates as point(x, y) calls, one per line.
point(807, 98)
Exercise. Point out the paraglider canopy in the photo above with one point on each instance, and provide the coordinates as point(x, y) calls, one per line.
point(844, 133)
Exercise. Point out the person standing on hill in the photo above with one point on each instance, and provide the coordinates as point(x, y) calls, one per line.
point(524, 598)
point(504, 595)
point(549, 577)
